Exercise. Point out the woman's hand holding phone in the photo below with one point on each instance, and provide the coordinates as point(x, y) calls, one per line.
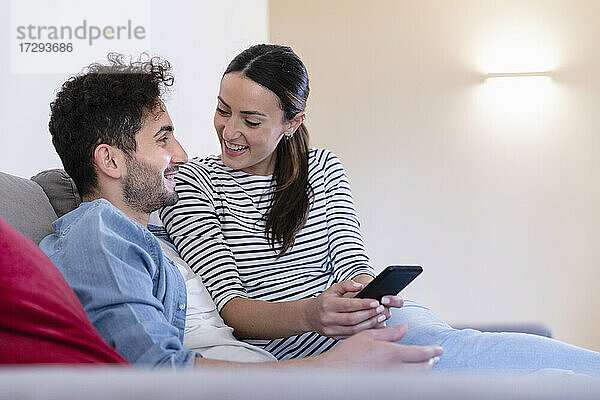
point(331, 314)
point(337, 313)
point(388, 303)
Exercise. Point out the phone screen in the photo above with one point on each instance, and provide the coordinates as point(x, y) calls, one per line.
point(390, 282)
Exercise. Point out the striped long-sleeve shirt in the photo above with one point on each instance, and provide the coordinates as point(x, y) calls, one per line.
point(219, 229)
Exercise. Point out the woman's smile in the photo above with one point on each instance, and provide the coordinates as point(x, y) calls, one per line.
point(233, 149)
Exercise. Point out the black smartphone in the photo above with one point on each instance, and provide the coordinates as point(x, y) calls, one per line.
point(390, 282)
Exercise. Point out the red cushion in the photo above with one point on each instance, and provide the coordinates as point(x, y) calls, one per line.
point(41, 318)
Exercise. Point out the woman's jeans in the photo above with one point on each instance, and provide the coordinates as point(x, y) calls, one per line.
point(469, 349)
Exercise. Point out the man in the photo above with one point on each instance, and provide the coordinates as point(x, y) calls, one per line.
point(116, 140)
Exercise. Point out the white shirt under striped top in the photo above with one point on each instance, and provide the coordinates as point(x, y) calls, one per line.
point(219, 229)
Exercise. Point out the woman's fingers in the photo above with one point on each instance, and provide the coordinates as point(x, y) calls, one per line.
point(380, 325)
point(392, 301)
point(347, 305)
point(344, 287)
point(341, 316)
point(357, 317)
point(340, 331)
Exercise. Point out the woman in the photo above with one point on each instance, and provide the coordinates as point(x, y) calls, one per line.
point(271, 228)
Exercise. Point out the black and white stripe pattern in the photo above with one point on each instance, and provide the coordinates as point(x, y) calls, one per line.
point(218, 227)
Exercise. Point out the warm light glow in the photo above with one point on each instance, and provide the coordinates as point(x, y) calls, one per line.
point(517, 60)
point(516, 51)
point(516, 43)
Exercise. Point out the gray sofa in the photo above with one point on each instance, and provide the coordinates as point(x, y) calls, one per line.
point(31, 205)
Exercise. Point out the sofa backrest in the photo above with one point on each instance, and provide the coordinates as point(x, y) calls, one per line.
point(25, 206)
point(31, 206)
point(60, 189)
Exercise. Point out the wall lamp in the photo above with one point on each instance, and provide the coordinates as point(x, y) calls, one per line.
point(543, 74)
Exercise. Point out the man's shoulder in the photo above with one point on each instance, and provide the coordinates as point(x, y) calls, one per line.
point(91, 223)
point(92, 215)
point(99, 236)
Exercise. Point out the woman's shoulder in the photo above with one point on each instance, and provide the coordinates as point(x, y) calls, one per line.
point(210, 166)
point(322, 158)
point(324, 167)
point(199, 171)
point(208, 163)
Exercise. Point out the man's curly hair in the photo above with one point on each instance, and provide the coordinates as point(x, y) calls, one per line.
point(105, 104)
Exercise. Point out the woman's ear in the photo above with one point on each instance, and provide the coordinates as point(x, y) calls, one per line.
point(295, 123)
point(109, 161)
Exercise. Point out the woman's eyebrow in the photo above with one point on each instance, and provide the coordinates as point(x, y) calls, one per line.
point(223, 101)
point(253, 113)
point(241, 112)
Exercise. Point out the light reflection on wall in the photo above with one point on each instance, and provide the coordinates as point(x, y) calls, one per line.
point(512, 105)
point(523, 46)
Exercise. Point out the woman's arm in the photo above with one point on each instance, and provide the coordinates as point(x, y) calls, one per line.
point(329, 314)
point(346, 245)
point(195, 229)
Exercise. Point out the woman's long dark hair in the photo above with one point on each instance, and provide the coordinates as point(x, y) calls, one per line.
point(280, 70)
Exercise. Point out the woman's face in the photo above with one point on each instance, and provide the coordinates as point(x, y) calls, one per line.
point(249, 123)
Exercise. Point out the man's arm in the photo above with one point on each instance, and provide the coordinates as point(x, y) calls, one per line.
point(368, 349)
point(111, 264)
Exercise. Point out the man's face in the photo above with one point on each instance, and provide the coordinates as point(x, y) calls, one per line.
point(148, 184)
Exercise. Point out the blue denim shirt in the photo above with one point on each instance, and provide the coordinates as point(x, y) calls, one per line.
point(132, 293)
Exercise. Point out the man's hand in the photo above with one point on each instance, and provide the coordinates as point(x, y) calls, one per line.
point(376, 348)
point(331, 314)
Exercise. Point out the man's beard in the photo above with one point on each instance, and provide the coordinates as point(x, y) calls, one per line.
point(144, 189)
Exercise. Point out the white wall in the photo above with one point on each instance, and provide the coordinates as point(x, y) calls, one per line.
point(494, 192)
point(198, 37)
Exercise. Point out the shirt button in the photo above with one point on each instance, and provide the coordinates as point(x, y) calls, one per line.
point(181, 306)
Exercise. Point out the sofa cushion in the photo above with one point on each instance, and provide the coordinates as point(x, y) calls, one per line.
point(60, 189)
point(25, 206)
point(41, 319)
